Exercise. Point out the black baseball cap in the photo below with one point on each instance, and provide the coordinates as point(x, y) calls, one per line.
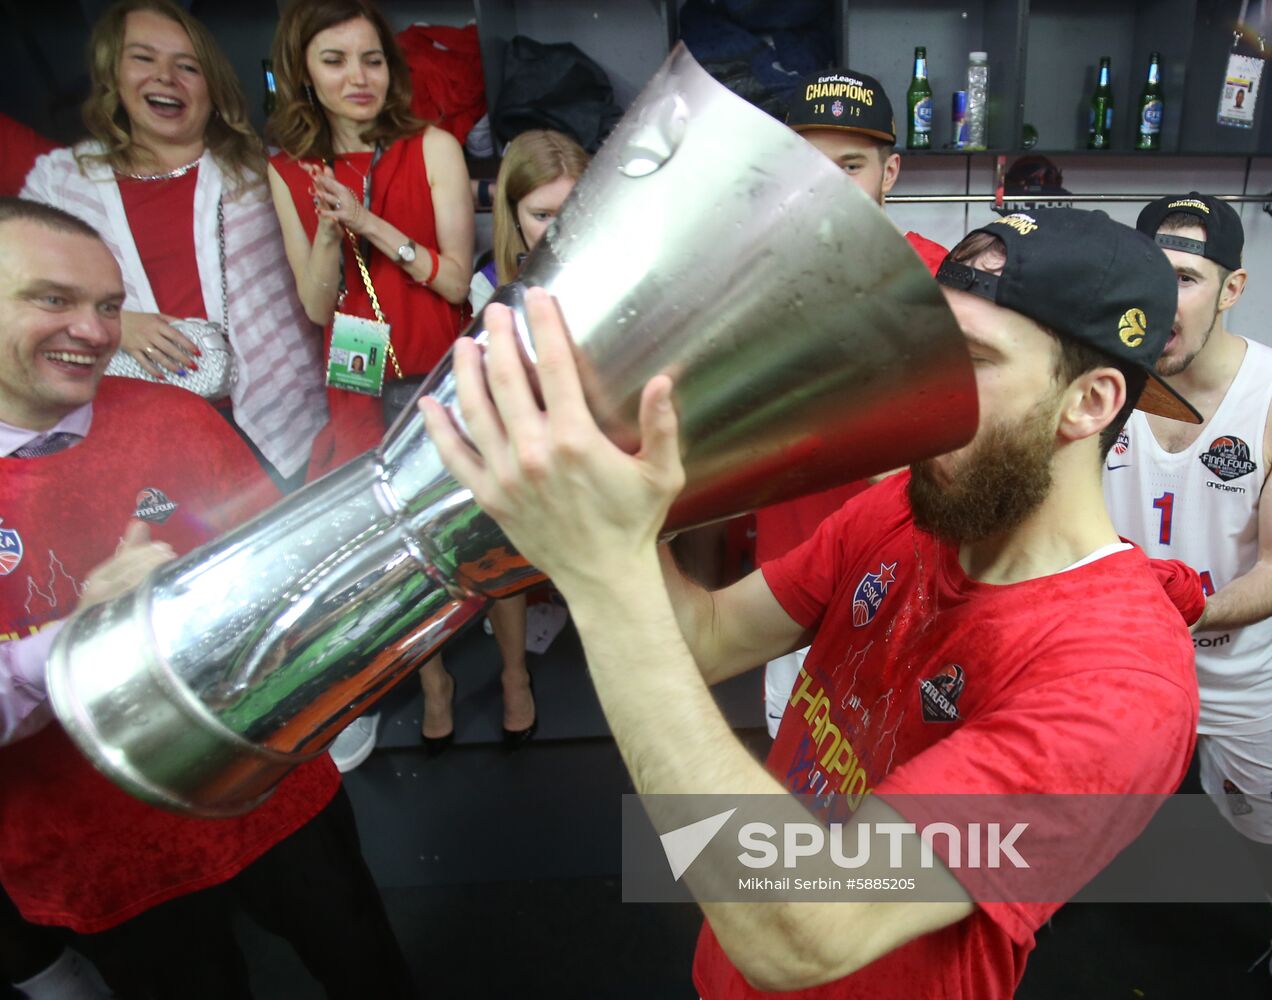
point(1088, 278)
point(842, 99)
point(1225, 236)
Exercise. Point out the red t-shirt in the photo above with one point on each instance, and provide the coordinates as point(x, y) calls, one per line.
point(160, 218)
point(76, 851)
point(930, 251)
point(782, 526)
point(1078, 682)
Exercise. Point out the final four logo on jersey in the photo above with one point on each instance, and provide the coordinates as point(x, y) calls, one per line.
point(939, 694)
point(1228, 458)
point(870, 593)
point(10, 550)
point(153, 506)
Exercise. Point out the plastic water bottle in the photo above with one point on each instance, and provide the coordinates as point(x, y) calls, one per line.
point(977, 100)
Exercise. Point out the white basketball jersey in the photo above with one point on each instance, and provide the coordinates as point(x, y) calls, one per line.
point(1200, 506)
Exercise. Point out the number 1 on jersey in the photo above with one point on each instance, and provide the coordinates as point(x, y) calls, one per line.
point(1166, 504)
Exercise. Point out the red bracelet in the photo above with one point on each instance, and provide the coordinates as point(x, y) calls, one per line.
point(437, 264)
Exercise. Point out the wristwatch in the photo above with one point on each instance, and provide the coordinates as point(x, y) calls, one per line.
point(406, 252)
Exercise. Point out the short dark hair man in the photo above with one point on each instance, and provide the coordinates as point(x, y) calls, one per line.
point(847, 116)
point(998, 558)
point(80, 457)
point(1199, 494)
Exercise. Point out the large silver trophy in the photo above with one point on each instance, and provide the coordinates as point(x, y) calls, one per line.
point(808, 346)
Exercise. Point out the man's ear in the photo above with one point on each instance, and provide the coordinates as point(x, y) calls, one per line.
point(891, 170)
point(1091, 403)
point(1232, 289)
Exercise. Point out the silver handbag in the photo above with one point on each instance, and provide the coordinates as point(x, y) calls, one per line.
point(216, 372)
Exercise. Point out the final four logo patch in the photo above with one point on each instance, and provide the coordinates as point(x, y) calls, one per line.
point(153, 506)
point(940, 694)
point(1228, 458)
point(10, 550)
point(870, 593)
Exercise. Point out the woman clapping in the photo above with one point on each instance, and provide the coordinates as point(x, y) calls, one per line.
point(375, 206)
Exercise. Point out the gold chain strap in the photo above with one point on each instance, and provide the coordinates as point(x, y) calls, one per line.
point(375, 300)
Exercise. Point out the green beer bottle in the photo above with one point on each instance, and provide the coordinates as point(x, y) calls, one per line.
point(1100, 135)
point(918, 133)
point(1149, 133)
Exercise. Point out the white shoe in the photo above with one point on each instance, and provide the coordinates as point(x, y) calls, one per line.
point(70, 977)
point(355, 744)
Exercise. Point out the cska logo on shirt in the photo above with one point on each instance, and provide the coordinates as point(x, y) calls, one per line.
point(1123, 443)
point(939, 694)
point(10, 550)
point(870, 593)
point(1228, 458)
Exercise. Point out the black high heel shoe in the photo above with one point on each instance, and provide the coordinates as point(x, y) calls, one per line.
point(514, 739)
point(435, 745)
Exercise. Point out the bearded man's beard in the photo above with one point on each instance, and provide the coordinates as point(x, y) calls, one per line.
point(1168, 368)
point(1001, 482)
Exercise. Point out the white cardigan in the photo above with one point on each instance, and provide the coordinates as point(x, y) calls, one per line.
point(279, 398)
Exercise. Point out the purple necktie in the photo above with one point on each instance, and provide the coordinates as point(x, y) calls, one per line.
point(46, 444)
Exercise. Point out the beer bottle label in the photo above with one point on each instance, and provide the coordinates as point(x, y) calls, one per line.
point(923, 114)
point(1151, 117)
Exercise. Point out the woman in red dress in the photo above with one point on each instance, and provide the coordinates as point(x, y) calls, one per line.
point(354, 161)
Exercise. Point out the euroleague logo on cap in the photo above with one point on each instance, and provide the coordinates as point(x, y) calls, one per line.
point(1132, 327)
point(846, 87)
point(1201, 206)
point(1019, 221)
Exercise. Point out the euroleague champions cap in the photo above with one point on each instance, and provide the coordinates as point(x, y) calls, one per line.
point(1225, 237)
point(1089, 278)
point(842, 99)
